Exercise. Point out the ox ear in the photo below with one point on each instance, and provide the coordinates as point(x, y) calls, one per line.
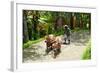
point(45, 41)
point(45, 37)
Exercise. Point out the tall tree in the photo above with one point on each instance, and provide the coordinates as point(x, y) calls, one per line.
point(72, 20)
point(35, 23)
point(89, 18)
point(25, 29)
point(29, 23)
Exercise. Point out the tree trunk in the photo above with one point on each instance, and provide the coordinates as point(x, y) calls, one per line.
point(35, 23)
point(89, 21)
point(72, 21)
point(25, 29)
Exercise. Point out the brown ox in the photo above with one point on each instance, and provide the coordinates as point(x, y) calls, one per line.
point(53, 44)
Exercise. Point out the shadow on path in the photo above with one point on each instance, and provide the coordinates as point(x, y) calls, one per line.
point(78, 41)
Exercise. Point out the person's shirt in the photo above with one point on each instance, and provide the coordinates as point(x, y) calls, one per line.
point(67, 31)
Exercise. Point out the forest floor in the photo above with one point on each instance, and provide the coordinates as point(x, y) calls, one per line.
point(73, 51)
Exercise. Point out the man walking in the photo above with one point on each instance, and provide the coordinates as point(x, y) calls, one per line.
point(67, 33)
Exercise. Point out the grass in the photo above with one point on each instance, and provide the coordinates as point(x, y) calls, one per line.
point(87, 52)
point(26, 45)
point(79, 30)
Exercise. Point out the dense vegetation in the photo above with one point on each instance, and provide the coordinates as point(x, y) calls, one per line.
point(87, 52)
point(37, 24)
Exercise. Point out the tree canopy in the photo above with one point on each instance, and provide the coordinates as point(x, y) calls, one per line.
point(37, 24)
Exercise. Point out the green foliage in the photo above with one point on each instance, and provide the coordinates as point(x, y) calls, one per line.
point(59, 32)
point(87, 53)
point(26, 45)
point(37, 24)
point(79, 30)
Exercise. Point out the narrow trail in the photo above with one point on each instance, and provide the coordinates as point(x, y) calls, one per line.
point(73, 51)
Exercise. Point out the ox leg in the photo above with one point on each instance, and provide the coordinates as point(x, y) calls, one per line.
point(48, 50)
point(56, 52)
point(59, 50)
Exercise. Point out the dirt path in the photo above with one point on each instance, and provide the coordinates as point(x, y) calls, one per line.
point(73, 51)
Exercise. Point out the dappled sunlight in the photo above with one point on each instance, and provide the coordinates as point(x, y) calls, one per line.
point(74, 51)
point(54, 36)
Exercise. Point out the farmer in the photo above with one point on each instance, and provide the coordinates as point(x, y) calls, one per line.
point(67, 32)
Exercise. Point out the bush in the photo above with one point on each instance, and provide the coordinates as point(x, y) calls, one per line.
point(87, 53)
point(26, 45)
